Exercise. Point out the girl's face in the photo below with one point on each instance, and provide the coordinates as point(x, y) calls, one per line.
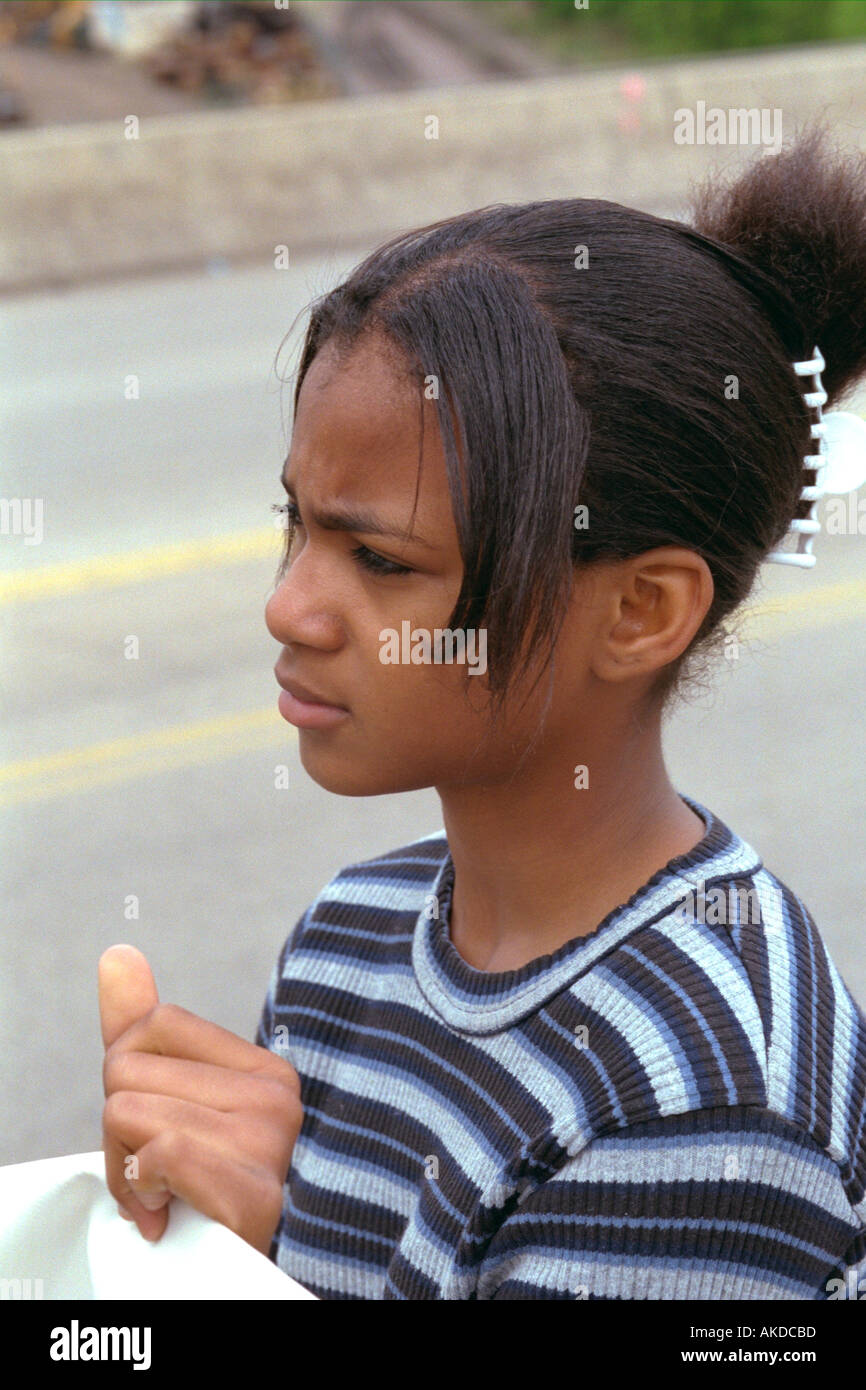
point(354, 459)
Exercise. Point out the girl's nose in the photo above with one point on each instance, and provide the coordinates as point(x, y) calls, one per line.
point(300, 612)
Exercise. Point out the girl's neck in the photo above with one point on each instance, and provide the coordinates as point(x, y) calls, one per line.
point(538, 862)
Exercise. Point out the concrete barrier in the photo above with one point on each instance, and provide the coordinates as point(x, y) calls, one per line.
point(86, 201)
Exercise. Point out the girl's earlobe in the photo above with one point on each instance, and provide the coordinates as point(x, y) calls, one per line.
point(662, 597)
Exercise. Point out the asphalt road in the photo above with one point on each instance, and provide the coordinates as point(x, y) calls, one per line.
point(147, 785)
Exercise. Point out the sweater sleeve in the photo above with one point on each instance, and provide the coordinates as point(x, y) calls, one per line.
point(727, 1203)
point(267, 1034)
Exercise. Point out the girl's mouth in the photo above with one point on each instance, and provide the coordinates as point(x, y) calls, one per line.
point(308, 715)
point(297, 705)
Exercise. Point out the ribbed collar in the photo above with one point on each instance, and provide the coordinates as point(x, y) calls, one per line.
point(479, 1001)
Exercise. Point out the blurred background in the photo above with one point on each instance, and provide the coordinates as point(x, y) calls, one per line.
point(178, 181)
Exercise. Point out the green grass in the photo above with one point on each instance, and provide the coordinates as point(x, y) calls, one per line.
point(617, 30)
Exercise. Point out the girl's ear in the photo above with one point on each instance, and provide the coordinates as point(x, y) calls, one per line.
point(656, 603)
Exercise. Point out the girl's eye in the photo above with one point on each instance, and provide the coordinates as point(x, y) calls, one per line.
point(368, 559)
point(377, 564)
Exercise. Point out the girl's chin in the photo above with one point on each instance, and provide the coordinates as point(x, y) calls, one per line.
point(346, 775)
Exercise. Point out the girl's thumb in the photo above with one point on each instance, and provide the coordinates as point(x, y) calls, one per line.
point(127, 990)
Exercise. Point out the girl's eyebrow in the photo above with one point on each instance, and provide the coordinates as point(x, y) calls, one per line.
point(351, 519)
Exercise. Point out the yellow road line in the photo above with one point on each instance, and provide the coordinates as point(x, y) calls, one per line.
point(131, 567)
point(224, 728)
point(157, 750)
point(124, 772)
point(809, 609)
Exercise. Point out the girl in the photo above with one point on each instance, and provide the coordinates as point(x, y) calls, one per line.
point(580, 1043)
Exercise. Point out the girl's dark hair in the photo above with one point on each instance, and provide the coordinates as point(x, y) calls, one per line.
point(653, 385)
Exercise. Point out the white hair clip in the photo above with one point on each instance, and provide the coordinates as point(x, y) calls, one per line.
point(840, 464)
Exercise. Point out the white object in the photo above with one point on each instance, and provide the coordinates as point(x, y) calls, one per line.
point(61, 1237)
point(840, 464)
point(133, 27)
point(845, 466)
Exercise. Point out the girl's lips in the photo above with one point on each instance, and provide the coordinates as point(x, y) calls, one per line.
point(308, 714)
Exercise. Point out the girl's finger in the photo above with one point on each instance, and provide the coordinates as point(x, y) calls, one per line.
point(202, 1083)
point(240, 1195)
point(127, 991)
point(175, 1032)
point(120, 1167)
point(217, 1181)
point(133, 1119)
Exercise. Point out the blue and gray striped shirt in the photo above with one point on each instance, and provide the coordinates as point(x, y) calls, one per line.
point(673, 1107)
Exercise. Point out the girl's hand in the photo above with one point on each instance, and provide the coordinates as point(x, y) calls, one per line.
point(191, 1110)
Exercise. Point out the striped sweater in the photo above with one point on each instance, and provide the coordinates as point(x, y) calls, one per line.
point(673, 1107)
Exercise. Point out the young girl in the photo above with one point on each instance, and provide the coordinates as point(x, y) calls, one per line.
point(579, 1043)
